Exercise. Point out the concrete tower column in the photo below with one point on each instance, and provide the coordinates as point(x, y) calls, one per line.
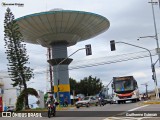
point(60, 70)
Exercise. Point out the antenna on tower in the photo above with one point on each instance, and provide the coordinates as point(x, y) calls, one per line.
point(47, 73)
point(50, 70)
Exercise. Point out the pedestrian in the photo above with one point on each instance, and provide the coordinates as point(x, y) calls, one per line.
point(66, 101)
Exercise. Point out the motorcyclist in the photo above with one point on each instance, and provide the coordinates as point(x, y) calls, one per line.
point(52, 102)
point(101, 100)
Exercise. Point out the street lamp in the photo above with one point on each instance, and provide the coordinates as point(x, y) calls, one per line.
point(88, 52)
point(151, 36)
point(112, 43)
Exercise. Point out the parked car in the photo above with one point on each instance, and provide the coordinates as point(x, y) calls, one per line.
point(10, 108)
point(87, 101)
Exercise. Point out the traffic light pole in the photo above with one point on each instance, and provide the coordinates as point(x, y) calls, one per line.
point(57, 67)
point(152, 65)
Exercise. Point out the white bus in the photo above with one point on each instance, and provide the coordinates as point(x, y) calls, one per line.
point(125, 89)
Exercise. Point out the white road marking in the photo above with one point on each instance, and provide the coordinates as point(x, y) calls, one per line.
point(138, 108)
point(127, 118)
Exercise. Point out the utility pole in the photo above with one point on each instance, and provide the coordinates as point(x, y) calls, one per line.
point(155, 27)
point(108, 85)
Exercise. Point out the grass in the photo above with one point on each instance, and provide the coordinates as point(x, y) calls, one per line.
point(59, 108)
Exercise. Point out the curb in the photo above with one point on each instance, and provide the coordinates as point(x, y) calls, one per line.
point(150, 102)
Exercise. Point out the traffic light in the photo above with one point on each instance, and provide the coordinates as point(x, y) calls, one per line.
point(112, 44)
point(88, 49)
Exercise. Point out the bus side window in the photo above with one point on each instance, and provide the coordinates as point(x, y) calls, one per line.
point(135, 85)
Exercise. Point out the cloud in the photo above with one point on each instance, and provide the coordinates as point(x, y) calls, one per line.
point(129, 20)
point(139, 74)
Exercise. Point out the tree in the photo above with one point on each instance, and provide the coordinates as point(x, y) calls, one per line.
point(20, 100)
point(90, 86)
point(16, 53)
point(73, 85)
point(86, 86)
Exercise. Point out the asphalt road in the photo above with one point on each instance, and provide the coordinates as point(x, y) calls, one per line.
point(121, 108)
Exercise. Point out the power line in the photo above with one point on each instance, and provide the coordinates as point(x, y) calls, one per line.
point(106, 60)
point(103, 63)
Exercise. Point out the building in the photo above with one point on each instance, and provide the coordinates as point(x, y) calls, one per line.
point(41, 99)
point(8, 93)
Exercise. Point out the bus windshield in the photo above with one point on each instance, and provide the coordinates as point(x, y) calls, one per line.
point(124, 85)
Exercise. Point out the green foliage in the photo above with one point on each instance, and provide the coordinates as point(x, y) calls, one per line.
point(73, 84)
point(86, 86)
point(45, 97)
point(16, 53)
point(21, 97)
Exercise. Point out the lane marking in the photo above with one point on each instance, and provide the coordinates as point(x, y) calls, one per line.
point(138, 108)
point(127, 118)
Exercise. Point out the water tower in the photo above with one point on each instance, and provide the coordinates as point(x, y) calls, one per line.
point(59, 29)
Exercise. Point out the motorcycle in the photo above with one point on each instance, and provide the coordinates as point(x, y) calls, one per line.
point(101, 101)
point(51, 110)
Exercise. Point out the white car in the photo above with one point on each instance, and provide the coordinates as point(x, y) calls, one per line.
point(87, 101)
point(10, 108)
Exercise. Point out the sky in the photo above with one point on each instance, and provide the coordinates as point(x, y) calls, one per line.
point(129, 20)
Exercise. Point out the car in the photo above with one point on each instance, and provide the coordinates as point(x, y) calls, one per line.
point(113, 101)
point(109, 100)
point(10, 108)
point(87, 101)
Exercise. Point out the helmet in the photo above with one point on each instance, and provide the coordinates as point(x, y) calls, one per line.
point(50, 96)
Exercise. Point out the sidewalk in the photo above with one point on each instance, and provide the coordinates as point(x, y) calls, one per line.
point(153, 101)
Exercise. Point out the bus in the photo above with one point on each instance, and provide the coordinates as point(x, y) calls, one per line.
point(125, 89)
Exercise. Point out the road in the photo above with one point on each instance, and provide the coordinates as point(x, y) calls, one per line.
point(121, 108)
